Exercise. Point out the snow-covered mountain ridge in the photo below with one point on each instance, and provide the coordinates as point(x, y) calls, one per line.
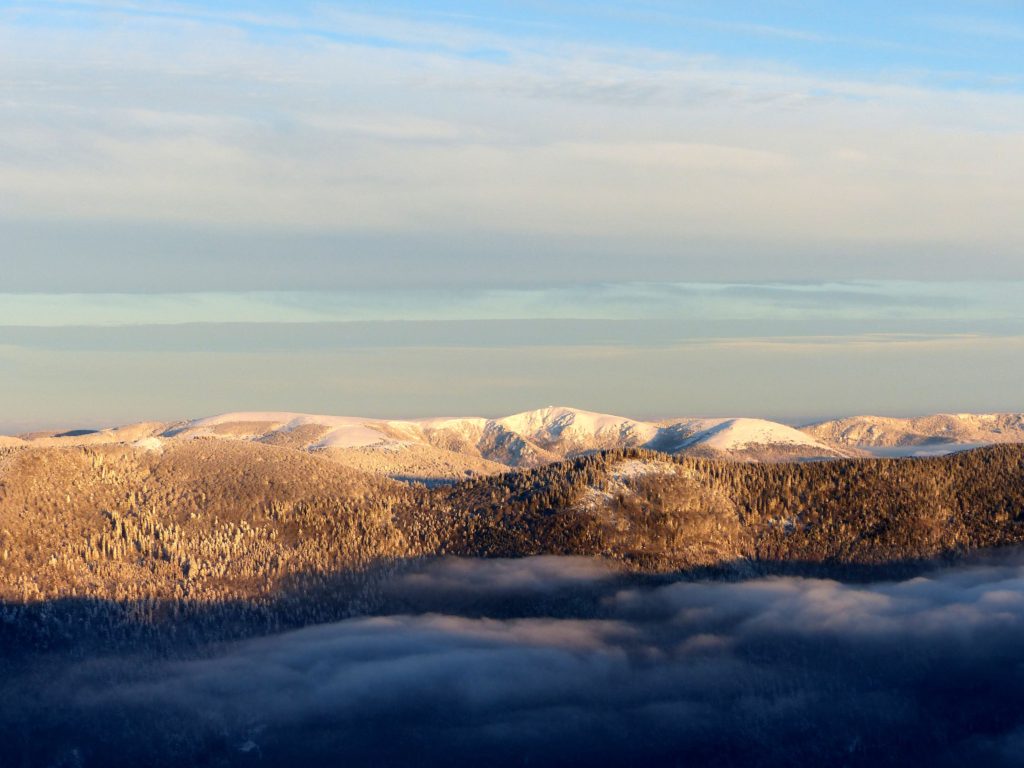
point(939, 428)
point(453, 447)
point(486, 445)
point(557, 430)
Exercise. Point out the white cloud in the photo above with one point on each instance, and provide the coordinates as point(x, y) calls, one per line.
point(187, 117)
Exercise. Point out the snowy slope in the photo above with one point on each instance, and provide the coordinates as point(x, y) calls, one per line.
point(739, 434)
point(337, 431)
point(573, 430)
point(459, 445)
point(951, 428)
point(530, 438)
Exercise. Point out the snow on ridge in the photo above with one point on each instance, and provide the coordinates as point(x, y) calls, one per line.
point(352, 435)
point(739, 433)
point(544, 426)
point(350, 431)
point(977, 416)
point(448, 422)
point(344, 431)
point(555, 421)
point(154, 444)
point(272, 417)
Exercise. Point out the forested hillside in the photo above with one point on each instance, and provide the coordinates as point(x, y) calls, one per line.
point(657, 513)
point(275, 537)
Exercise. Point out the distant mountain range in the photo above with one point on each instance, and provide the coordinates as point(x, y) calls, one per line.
point(456, 447)
point(936, 431)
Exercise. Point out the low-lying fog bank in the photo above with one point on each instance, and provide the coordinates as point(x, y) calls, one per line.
point(556, 661)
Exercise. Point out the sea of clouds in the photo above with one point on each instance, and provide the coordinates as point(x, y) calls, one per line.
point(560, 661)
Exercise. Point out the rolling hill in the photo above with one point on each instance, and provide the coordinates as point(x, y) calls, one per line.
point(921, 435)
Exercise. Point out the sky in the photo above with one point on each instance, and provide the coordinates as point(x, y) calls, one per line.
point(788, 210)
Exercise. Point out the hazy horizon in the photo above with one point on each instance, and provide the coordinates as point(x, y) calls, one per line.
point(790, 352)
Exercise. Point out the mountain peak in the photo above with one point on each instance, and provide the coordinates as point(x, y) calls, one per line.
point(743, 432)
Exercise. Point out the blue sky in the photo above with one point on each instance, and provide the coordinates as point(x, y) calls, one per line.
point(422, 195)
point(941, 42)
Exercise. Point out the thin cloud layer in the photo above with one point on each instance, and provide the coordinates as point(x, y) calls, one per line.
point(804, 306)
point(769, 672)
point(454, 132)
